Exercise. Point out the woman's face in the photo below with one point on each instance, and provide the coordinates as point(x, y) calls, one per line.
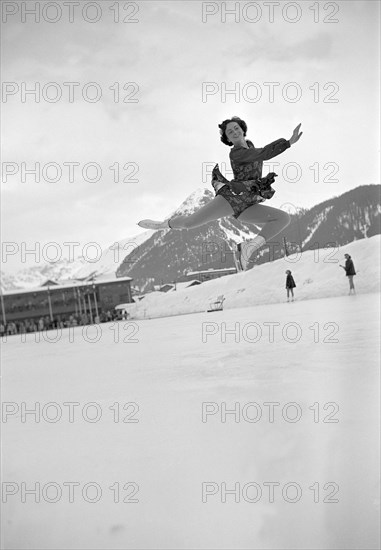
point(234, 133)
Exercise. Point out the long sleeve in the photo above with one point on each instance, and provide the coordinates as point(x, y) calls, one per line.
point(241, 155)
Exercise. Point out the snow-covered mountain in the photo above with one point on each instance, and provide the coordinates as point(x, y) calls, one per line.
point(155, 257)
point(170, 255)
point(65, 270)
point(35, 276)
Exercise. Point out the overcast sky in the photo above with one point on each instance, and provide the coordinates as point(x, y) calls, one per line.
point(165, 137)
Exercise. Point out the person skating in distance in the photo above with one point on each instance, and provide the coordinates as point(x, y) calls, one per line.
point(290, 285)
point(242, 196)
point(350, 272)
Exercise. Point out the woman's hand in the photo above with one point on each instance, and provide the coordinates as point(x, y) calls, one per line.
point(295, 135)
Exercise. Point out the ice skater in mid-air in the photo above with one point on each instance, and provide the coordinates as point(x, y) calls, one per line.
point(240, 197)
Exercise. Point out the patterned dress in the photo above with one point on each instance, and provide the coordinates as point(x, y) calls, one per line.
point(247, 164)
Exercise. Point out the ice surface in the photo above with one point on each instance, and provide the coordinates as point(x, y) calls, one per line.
point(324, 352)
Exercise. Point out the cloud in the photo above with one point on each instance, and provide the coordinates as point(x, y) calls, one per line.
point(315, 48)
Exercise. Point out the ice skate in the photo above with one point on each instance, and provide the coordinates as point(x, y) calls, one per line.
point(218, 180)
point(157, 226)
point(246, 251)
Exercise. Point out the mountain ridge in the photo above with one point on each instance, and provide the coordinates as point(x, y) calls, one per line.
point(155, 257)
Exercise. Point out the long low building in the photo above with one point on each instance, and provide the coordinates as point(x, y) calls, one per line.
point(208, 274)
point(53, 300)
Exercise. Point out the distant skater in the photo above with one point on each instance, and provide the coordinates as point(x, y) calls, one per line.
point(290, 285)
point(350, 272)
point(240, 197)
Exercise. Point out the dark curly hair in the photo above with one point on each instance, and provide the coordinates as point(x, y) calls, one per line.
point(223, 125)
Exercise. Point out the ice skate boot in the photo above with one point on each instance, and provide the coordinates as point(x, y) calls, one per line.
point(246, 251)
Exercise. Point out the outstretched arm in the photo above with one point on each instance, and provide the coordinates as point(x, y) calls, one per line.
point(279, 146)
point(241, 155)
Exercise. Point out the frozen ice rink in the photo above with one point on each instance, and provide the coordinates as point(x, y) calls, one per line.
point(250, 428)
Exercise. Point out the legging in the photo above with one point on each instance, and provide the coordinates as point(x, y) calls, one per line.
point(272, 219)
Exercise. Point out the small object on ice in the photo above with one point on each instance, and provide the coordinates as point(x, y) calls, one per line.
point(218, 305)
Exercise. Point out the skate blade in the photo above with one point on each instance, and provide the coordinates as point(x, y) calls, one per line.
point(237, 261)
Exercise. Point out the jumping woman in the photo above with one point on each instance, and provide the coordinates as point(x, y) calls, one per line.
point(242, 196)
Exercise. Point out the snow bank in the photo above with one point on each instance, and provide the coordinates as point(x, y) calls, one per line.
point(317, 275)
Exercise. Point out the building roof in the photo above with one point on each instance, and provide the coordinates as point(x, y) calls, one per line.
point(72, 284)
point(49, 282)
point(210, 271)
point(186, 284)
